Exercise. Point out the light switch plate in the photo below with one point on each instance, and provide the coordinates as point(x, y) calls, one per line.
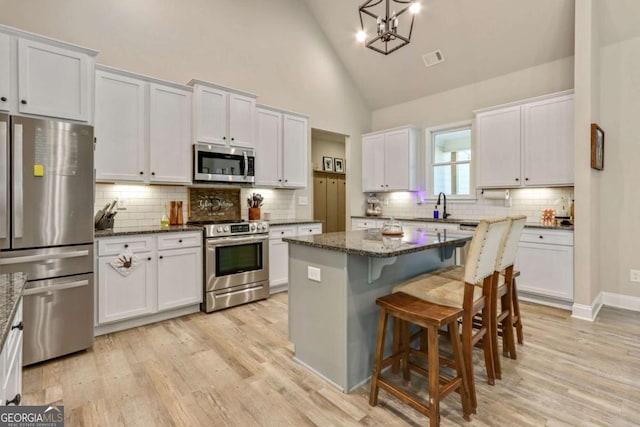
point(634, 275)
point(313, 273)
point(303, 200)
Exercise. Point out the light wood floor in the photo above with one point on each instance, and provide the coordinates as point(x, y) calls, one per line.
point(235, 368)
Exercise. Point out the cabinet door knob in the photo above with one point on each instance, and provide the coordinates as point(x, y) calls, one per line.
point(282, 232)
point(141, 173)
point(233, 139)
point(23, 102)
point(3, 99)
point(180, 241)
point(541, 237)
point(279, 180)
point(286, 180)
point(15, 401)
point(126, 245)
point(148, 258)
point(153, 173)
point(161, 257)
point(517, 179)
point(19, 326)
point(526, 179)
point(381, 186)
point(224, 138)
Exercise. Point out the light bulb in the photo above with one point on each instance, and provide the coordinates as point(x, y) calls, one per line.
point(361, 36)
point(415, 7)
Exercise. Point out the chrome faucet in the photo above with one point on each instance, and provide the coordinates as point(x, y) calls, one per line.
point(444, 210)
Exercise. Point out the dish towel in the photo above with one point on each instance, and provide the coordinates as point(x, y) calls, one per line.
point(125, 263)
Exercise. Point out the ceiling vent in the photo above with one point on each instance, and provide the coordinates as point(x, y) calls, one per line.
point(432, 58)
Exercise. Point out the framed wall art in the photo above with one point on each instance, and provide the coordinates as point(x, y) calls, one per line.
point(597, 147)
point(327, 164)
point(338, 165)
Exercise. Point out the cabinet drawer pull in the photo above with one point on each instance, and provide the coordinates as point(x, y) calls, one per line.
point(180, 241)
point(3, 99)
point(161, 257)
point(126, 245)
point(15, 401)
point(541, 237)
point(19, 326)
point(23, 102)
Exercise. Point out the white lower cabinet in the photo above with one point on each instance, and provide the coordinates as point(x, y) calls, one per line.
point(168, 275)
point(279, 252)
point(545, 262)
point(11, 363)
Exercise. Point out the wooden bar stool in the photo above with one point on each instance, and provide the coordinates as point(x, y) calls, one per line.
point(472, 295)
point(515, 303)
point(503, 289)
point(431, 317)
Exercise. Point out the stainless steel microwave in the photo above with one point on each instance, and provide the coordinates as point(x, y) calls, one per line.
point(213, 163)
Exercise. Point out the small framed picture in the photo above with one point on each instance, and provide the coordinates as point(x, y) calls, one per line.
point(339, 165)
point(597, 147)
point(327, 164)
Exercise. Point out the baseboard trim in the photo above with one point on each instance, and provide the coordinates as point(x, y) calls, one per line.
point(274, 289)
point(609, 299)
point(587, 312)
point(144, 320)
point(334, 384)
point(625, 302)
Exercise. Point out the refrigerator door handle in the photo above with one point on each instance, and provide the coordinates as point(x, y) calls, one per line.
point(17, 182)
point(4, 185)
point(43, 257)
point(53, 288)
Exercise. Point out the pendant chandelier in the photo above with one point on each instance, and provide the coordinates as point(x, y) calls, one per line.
point(389, 29)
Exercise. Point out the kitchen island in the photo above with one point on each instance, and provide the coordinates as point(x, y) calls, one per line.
point(334, 280)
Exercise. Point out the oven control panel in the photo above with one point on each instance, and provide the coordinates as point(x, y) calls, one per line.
point(237, 229)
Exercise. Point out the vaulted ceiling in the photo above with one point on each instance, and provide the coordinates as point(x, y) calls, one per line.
point(479, 39)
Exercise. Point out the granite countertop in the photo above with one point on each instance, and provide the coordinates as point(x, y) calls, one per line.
point(278, 222)
point(469, 222)
point(11, 287)
point(147, 229)
point(372, 244)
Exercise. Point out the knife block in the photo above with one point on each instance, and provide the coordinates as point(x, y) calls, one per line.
point(105, 224)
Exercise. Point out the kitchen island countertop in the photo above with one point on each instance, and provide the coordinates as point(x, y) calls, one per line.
point(371, 243)
point(11, 287)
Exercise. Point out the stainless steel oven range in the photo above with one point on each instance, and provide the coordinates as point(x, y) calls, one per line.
point(236, 264)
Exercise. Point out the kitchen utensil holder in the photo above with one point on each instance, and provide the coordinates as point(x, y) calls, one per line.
point(105, 224)
point(254, 214)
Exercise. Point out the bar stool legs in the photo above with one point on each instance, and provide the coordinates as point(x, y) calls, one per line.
point(404, 310)
point(517, 318)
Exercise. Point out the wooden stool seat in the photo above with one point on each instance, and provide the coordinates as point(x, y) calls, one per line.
point(405, 309)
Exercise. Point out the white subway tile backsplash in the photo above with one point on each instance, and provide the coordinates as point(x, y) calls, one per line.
point(145, 204)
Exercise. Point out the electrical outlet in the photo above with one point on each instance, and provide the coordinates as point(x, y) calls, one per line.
point(121, 205)
point(634, 275)
point(313, 273)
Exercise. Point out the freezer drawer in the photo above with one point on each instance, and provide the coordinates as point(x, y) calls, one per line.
point(58, 317)
point(46, 263)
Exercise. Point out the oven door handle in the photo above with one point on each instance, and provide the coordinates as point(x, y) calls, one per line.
point(229, 241)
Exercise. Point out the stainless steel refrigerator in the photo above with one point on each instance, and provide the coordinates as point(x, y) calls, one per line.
point(46, 230)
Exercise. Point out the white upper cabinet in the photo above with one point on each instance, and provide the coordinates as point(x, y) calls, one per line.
point(390, 160)
point(295, 140)
point(119, 128)
point(223, 116)
point(5, 71)
point(527, 144)
point(282, 148)
point(169, 134)
point(45, 77)
point(373, 162)
point(548, 141)
point(498, 134)
point(269, 148)
point(143, 129)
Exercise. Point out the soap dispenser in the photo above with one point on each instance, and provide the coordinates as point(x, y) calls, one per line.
point(436, 214)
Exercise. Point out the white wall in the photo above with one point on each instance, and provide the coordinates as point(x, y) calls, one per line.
point(273, 48)
point(458, 104)
point(619, 236)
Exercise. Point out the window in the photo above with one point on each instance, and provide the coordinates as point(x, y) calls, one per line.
point(450, 160)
